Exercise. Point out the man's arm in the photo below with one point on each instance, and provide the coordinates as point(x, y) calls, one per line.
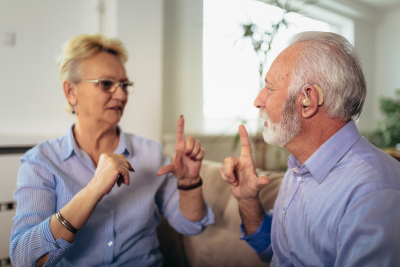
point(368, 233)
point(245, 184)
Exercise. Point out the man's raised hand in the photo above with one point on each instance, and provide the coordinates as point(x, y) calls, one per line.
point(240, 173)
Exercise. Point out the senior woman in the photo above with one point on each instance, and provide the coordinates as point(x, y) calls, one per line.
point(72, 209)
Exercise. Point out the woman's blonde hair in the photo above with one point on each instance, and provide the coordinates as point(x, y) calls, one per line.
point(84, 46)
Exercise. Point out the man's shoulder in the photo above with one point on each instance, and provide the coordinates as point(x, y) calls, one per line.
point(367, 164)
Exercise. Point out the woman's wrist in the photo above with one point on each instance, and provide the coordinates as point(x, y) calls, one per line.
point(188, 182)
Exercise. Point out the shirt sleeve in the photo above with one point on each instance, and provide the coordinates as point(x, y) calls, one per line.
point(167, 199)
point(260, 240)
point(368, 233)
point(31, 236)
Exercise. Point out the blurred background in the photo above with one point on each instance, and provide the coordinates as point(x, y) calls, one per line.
point(192, 57)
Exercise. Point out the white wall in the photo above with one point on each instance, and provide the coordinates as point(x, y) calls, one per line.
point(183, 64)
point(388, 55)
point(140, 27)
point(31, 96)
point(32, 102)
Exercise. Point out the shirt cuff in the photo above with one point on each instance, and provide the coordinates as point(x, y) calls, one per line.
point(195, 228)
point(260, 240)
point(56, 248)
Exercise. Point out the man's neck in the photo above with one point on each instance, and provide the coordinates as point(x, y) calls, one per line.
point(313, 135)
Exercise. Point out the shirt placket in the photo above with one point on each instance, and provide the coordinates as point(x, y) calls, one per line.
point(107, 204)
point(110, 229)
point(293, 187)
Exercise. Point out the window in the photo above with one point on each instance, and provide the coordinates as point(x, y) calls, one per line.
point(230, 66)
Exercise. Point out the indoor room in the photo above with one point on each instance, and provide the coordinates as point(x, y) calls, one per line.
point(203, 59)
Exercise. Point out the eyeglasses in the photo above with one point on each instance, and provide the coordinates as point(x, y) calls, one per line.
point(110, 86)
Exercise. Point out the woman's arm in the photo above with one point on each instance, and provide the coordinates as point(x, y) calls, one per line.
point(33, 235)
point(186, 168)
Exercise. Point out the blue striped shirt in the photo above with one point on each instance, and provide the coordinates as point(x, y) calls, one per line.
point(122, 229)
point(340, 208)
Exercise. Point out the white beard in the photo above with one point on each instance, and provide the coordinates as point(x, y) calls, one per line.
point(284, 131)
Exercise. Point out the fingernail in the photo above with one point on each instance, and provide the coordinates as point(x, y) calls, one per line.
point(192, 158)
point(187, 153)
point(131, 169)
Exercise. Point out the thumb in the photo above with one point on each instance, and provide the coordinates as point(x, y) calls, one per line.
point(261, 181)
point(166, 169)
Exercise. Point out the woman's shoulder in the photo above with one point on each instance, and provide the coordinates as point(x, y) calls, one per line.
point(143, 142)
point(47, 150)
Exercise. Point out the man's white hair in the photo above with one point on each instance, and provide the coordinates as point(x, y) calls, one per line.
point(331, 62)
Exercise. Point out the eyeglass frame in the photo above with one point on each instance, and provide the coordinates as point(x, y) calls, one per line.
point(115, 84)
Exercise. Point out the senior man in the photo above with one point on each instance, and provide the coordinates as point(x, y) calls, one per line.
point(339, 202)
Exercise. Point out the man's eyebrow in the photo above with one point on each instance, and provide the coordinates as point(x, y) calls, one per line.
point(267, 81)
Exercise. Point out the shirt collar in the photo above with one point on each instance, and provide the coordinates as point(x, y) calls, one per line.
point(124, 146)
point(70, 146)
point(325, 158)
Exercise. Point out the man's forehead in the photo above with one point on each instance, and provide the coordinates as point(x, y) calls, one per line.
point(281, 68)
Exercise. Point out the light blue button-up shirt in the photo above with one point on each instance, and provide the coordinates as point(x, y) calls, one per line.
point(340, 208)
point(122, 228)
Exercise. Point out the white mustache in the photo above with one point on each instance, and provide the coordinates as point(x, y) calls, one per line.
point(262, 113)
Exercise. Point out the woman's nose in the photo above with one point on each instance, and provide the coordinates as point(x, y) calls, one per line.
point(119, 92)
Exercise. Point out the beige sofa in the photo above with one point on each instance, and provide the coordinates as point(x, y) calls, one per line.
point(219, 245)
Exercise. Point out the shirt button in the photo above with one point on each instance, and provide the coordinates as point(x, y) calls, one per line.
point(299, 179)
point(283, 211)
point(110, 243)
point(111, 211)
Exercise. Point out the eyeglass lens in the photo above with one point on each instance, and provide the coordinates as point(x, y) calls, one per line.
point(110, 86)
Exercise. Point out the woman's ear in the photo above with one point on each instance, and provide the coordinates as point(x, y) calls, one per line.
point(69, 92)
point(311, 99)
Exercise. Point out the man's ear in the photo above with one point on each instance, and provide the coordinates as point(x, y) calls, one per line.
point(69, 91)
point(311, 107)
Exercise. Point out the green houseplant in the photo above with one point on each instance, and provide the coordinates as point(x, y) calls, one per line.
point(387, 132)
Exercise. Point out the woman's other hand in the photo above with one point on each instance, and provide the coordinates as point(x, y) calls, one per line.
point(187, 159)
point(112, 168)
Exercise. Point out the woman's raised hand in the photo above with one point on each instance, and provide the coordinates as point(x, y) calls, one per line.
point(187, 159)
point(112, 168)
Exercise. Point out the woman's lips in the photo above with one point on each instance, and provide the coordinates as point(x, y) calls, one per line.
point(116, 108)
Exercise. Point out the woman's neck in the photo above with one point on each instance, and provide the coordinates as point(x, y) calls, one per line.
point(96, 139)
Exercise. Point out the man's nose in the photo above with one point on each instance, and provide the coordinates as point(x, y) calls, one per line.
point(260, 99)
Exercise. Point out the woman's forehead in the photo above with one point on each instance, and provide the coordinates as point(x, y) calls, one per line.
point(102, 65)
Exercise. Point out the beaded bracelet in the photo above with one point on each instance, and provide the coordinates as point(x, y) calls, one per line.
point(190, 187)
point(66, 224)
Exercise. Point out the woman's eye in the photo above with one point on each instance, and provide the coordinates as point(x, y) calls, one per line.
point(106, 84)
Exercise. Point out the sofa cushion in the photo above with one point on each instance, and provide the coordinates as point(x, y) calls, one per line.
point(219, 244)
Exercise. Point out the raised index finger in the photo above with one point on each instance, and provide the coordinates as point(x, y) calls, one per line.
point(244, 142)
point(180, 136)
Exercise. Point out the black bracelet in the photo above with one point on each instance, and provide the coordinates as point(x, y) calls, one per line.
point(190, 187)
point(66, 224)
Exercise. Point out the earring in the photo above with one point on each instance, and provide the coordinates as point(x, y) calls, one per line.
point(72, 109)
